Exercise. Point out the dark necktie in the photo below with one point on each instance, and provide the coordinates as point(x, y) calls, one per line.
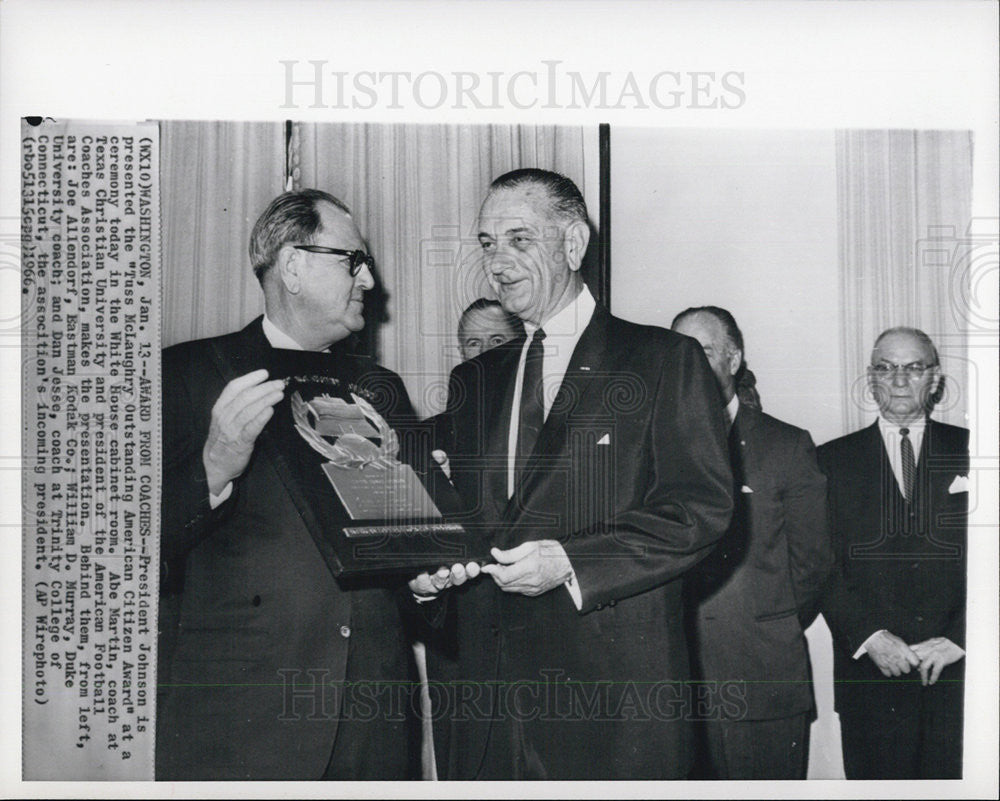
point(532, 413)
point(909, 463)
point(735, 454)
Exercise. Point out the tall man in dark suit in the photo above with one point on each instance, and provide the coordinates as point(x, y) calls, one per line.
point(270, 645)
point(592, 451)
point(754, 595)
point(896, 601)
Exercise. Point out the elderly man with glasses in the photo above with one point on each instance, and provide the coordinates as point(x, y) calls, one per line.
point(896, 601)
point(270, 645)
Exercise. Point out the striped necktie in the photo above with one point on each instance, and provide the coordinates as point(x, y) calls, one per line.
point(909, 463)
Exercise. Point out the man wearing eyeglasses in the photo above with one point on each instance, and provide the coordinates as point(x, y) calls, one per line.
point(270, 645)
point(896, 601)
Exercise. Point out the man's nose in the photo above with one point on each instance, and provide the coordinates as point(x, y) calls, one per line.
point(364, 279)
point(899, 378)
point(497, 261)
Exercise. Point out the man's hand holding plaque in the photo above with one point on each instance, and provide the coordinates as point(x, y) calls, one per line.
point(428, 585)
point(238, 417)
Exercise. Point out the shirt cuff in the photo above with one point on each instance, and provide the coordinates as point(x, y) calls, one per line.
point(864, 646)
point(422, 599)
point(215, 501)
point(574, 591)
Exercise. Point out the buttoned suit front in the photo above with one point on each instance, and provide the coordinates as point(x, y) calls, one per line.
point(630, 474)
point(752, 597)
point(902, 567)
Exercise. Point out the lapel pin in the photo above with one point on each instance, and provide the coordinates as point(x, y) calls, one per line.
point(582, 367)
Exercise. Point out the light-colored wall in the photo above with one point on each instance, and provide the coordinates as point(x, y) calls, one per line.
point(746, 220)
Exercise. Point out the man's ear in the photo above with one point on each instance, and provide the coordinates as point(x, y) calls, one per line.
point(937, 393)
point(735, 360)
point(288, 264)
point(575, 244)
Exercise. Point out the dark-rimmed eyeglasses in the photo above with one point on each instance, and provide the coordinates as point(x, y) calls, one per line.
point(911, 370)
point(355, 258)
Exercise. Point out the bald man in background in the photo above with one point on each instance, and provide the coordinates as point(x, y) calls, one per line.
point(753, 597)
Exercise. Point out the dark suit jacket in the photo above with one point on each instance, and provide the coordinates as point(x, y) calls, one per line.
point(897, 567)
point(756, 592)
point(260, 608)
point(630, 473)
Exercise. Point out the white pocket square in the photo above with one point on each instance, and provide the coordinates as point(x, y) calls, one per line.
point(745, 489)
point(605, 440)
point(960, 484)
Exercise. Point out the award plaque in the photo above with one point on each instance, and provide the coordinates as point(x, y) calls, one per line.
point(369, 511)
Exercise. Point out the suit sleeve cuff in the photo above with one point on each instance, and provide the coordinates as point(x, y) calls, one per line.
point(574, 591)
point(864, 646)
point(215, 501)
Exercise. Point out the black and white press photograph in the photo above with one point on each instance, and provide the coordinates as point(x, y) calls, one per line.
point(537, 420)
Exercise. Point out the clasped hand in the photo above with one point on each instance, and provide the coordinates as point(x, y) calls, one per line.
point(894, 657)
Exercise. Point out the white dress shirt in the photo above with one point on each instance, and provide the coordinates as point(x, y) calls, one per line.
point(890, 440)
point(731, 410)
point(562, 333)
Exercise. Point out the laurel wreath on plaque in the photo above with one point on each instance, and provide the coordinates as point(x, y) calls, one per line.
point(348, 450)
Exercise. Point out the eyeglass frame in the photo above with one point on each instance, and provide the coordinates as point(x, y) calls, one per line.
point(357, 258)
point(912, 371)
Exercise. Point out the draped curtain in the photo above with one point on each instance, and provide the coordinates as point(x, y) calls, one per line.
point(415, 191)
point(904, 201)
point(215, 178)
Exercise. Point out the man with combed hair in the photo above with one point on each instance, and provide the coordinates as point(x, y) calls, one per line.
point(280, 671)
point(896, 600)
point(592, 452)
point(755, 594)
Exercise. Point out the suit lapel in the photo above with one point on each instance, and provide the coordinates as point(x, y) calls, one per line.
point(242, 353)
point(883, 480)
point(498, 401)
point(935, 452)
point(588, 366)
point(743, 439)
point(249, 352)
point(869, 462)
